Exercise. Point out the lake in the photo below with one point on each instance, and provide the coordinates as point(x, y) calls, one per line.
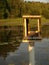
point(15, 52)
point(19, 55)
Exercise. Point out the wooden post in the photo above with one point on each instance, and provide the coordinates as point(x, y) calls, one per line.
point(25, 27)
point(27, 21)
point(31, 54)
point(39, 27)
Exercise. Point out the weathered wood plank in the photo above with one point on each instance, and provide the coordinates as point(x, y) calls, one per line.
point(32, 16)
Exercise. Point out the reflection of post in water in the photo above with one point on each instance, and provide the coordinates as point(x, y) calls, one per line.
point(31, 50)
point(31, 53)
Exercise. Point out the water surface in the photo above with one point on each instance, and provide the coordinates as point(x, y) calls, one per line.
point(10, 54)
point(17, 53)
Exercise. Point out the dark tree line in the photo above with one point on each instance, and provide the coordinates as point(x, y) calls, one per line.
point(17, 8)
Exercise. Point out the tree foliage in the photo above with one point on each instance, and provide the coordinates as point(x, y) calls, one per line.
point(17, 8)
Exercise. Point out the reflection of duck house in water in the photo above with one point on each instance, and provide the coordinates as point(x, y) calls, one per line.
point(32, 34)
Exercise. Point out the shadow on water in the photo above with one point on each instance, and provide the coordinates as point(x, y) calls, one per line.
point(10, 33)
point(14, 33)
point(5, 49)
point(12, 51)
point(12, 54)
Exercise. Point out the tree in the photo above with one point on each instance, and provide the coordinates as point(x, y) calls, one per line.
point(4, 8)
point(16, 7)
point(45, 13)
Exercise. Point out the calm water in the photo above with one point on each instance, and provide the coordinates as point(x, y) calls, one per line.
point(19, 55)
point(42, 52)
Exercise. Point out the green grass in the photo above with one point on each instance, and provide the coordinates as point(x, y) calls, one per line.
point(44, 21)
point(19, 21)
point(11, 22)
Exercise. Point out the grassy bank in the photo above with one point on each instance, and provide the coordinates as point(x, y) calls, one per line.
point(19, 21)
point(11, 22)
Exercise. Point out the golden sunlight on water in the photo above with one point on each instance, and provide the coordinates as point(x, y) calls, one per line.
point(31, 53)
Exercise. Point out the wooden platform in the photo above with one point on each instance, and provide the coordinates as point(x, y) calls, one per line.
point(34, 38)
point(28, 39)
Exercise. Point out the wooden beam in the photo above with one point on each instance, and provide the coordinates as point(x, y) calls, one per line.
point(25, 27)
point(32, 16)
point(39, 27)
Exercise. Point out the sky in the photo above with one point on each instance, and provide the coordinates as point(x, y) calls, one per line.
point(39, 0)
